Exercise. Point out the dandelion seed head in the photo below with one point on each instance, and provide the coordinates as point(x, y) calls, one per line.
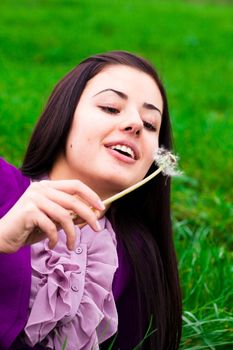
point(167, 161)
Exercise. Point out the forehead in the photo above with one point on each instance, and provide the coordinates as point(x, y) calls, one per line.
point(129, 80)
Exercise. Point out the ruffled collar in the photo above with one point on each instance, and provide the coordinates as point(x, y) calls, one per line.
point(71, 293)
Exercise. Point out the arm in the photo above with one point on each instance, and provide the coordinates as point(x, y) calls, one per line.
point(15, 271)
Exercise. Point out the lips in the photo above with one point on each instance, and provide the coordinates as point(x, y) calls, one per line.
point(125, 148)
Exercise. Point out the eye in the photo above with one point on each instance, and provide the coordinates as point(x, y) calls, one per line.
point(149, 126)
point(110, 110)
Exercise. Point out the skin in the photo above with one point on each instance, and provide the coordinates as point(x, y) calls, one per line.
point(103, 117)
point(88, 170)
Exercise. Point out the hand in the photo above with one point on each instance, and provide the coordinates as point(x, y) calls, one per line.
point(43, 208)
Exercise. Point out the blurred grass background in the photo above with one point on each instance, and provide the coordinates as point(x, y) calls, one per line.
point(191, 44)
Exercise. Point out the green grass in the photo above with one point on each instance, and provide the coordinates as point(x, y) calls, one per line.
point(191, 44)
point(206, 272)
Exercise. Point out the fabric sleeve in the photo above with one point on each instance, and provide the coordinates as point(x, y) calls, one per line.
point(15, 271)
point(12, 185)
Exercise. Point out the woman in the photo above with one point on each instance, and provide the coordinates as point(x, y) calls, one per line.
point(97, 136)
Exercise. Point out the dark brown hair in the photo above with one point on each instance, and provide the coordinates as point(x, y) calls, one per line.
point(141, 220)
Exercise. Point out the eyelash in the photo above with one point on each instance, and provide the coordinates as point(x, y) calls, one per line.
point(149, 126)
point(112, 110)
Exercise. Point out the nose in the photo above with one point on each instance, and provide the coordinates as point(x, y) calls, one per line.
point(132, 125)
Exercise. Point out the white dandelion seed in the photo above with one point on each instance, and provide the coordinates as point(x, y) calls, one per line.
point(167, 161)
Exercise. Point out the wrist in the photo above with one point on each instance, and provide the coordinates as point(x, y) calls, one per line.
point(6, 245)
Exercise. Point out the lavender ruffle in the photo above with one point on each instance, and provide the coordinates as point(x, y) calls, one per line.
point(71, 294)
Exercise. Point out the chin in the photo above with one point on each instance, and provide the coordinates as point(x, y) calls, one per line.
point(111, 183)
point(119, 184)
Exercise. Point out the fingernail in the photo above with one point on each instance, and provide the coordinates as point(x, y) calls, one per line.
point(97, 224)
point(101, 205)
point(71, 246)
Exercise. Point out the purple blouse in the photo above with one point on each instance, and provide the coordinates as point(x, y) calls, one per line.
point(16, 270)
point(71, 294)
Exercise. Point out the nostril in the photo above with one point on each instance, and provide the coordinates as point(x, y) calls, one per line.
point(128, 128)
point(133, 129)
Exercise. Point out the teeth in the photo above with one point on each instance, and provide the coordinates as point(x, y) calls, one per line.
point(124, 149)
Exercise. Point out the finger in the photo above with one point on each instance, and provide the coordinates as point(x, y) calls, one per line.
point(66, 200)
point(62, 216)
point(61, 219)
point(71, 203)
point(44, 226)
point(76, 187)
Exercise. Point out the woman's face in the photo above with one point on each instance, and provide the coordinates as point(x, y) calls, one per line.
point(115, 131)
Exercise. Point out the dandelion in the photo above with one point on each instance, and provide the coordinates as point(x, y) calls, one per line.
point(166, 163)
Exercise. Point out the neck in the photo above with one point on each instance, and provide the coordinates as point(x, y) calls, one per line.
point(59, 173)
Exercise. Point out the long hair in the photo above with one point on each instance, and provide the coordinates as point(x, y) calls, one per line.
point(141, 220)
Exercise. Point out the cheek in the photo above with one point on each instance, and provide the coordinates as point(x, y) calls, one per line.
point(156, 147)
point(73, 143)
point(70, 142)
point(152, 148)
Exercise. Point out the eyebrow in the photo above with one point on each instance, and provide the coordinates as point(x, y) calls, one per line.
point(121, 94)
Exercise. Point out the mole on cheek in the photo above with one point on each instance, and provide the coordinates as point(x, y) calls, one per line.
point(71, 145)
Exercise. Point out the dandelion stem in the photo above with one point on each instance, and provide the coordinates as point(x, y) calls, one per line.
point(166, 163)
point(132, 188)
